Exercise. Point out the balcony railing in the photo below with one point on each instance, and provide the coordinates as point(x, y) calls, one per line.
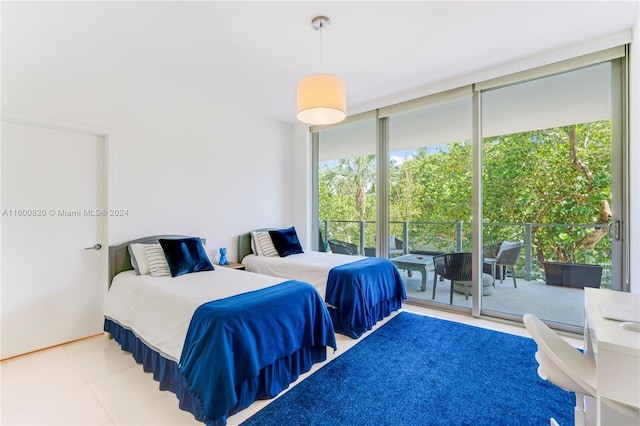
point(456, 236)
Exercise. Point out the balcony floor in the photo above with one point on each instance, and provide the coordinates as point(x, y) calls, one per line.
point(552, 303)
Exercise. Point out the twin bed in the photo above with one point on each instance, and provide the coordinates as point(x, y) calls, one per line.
point(359, 291)
point(218, 339)
point(221, 338)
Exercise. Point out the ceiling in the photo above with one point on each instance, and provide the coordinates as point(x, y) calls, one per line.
point(251, 54)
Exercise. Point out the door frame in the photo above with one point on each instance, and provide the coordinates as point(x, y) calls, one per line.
point(620, 248)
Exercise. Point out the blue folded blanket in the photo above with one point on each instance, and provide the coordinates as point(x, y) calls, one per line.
point(230, 342)
point(363, 292)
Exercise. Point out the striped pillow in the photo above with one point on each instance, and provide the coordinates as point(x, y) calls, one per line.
point(264, 245)
point(158, 266)
point(139, 258)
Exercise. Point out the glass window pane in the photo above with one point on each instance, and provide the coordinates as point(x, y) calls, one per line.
point(346, 187)
point(430, 207)
point(547, 180)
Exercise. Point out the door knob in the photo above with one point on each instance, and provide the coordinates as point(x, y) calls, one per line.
point(94, 247)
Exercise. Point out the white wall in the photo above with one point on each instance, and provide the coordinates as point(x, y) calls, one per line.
point(301, 184)
point(178, 162)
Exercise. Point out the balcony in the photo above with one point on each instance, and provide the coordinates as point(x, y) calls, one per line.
point(447, 237)
point(563, 305)
point(560, 299)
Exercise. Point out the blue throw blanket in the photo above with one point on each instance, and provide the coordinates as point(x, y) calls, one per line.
point(253, 345)
point(363, 292)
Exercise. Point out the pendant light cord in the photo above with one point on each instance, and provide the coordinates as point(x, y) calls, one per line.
point(321, 58)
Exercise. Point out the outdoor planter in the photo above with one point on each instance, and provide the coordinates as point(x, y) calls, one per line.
point(576, 275)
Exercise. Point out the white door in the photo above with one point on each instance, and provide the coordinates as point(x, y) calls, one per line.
point(53, 196)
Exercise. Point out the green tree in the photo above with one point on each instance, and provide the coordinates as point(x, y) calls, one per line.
point(347, 193)
point(550, 176)
point(352, 177)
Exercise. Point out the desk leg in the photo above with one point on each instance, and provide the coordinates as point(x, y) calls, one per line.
point(424, 279)
point(593, 415)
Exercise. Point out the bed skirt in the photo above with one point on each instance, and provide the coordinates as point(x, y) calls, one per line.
point(343, 323)
point(362, 293)
point(272, 379)
point(165, 371)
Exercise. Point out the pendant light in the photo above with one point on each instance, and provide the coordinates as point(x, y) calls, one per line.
point(321, 98)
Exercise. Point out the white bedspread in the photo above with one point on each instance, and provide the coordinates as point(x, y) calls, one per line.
point(159, 309)
point(312, 266)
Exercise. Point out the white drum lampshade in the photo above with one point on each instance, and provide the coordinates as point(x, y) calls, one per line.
point(321, 99)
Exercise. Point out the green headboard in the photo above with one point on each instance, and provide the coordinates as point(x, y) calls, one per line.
point(244, 243)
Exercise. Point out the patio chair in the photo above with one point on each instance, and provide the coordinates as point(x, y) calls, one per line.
point(491, 252)
point(454, 267)
point(457, 268)
point(342, 247)
point(396, 248)
point(322, 246)
point(505, 258)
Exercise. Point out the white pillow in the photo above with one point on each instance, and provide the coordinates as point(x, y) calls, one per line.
point(139, 257)
point(158, 266)
point(263, 244)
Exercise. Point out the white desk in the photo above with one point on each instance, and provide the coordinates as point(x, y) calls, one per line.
point(615, 350)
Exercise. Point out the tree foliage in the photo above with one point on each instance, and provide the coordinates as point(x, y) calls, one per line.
point(549, 178)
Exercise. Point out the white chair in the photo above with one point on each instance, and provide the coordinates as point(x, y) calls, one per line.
point(566, 367)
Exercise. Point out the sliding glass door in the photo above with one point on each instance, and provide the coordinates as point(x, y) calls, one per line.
point(430, 180)
point(346, 176)
point(550, 188)
point(523, 173)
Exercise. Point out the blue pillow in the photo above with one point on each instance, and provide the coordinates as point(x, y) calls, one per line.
point(185, 255)
point(286, 241)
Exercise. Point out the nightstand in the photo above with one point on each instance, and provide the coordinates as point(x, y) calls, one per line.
point(234, 265)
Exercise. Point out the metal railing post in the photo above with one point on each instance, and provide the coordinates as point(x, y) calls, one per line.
point(362, 225)
point(459, 236)
point(527, 251)
point(326, 234)
point(327, 225)
point(405, 236)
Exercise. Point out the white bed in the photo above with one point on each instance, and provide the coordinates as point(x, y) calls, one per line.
point(218, 339)
point(139, 302)
point(358, 290)
point(311, 266)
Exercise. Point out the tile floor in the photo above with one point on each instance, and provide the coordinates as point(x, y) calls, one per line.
point(92, 382)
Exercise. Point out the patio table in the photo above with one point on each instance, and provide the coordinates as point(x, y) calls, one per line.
point(415, 262)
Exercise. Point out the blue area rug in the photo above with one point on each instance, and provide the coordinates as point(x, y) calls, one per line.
point(417, 370)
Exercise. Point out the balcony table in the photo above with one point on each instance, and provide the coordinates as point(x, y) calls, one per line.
point(415, 262)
